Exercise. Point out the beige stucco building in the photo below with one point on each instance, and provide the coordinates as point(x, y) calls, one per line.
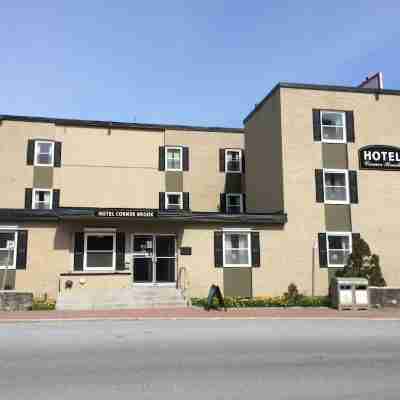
point(98, 205)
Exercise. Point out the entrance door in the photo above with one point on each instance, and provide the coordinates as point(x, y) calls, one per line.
point(154, 259)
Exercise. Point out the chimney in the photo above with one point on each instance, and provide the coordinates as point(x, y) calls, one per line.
point(374, 81)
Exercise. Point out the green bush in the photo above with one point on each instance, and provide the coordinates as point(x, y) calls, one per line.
point(43, 305)
point(279, 301)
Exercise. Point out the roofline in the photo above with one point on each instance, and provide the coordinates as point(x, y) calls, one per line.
point(117, 124)
point(311, 86)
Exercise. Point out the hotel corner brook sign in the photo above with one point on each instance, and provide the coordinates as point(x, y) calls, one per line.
point(126, 212)
point(379, 157)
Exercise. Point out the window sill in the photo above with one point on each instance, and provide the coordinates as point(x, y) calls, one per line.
point(237, 266)
point(336, 202)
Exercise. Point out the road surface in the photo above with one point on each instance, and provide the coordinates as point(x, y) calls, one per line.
point(200, 359)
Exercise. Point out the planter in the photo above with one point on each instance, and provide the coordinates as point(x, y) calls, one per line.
point(11, 300)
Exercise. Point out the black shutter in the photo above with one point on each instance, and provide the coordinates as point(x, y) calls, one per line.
point(218, 251)
point(243, 163)
point(222, 202)
point(56, 198)
point(353, 187)
point(221, 160)
point(161, 200)
point(323, 253)
point(161, 158)
point(186, 201)
point(78, 251)
point(317, 125)
point(28, 198)
point(350, 126)
point(355, 237)
point(244, 202)
point(255, 249)
point(319, 185)
point(30, 152)
point(22, 247)
point(185, 161)
point(57, 154)
point(120, 258)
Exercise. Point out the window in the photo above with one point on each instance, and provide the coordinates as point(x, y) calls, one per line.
point(173, 159)
point(234, 203)
point(233, 161)
point(339, 248)
point(333, 126)
point(44, 153)
point(173, 201)
point(236, 248)
point(42, 199)
point(336, 186)
point(99, 251)
point(7, 255)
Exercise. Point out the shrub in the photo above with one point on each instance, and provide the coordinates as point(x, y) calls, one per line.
point(43, 304)
point(363, 264)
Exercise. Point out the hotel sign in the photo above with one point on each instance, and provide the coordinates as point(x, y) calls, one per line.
point(126, 213)
point(379, 157)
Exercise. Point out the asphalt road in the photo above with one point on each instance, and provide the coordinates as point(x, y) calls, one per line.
point(208, 359)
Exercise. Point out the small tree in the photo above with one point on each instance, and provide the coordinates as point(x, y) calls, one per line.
point(362, 264)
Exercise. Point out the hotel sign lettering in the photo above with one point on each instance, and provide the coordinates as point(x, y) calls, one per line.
point(379, 157)
point(126, 213)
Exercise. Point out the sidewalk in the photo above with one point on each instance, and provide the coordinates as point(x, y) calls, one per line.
point(196, 313)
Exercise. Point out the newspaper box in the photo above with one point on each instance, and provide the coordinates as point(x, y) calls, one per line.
point(350, 293)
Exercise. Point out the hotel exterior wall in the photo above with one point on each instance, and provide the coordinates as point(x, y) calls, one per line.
point(375, 119)
point(204, 181)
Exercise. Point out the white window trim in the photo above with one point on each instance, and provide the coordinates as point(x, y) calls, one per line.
point(346, 174)
point(344, 139)
point(85, 268)
point(41, 190)
point(180, 158)
point(174, 193)
point(240, 161)
point(243, 232)
point(333, 233)
point(228, 195)
point(37, 142)
point(14, 264)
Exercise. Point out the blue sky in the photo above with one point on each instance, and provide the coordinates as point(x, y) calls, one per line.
point(188, 62)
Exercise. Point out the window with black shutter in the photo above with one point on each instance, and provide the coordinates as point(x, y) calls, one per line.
point(319, 185)
point(222, 202)
point(79, 245)
point(353, 187)
point(317, 125)
point(28, 198)
point(57, 154)
point(22, 249)
point(161, 158)
point(185, 155)
point(56, 198)
point(218, 250)
point(221, 160)
point(161, 200)
point(350, 126)
point(120, 257)
point(255, 249)
point(323, 254)
point(186, 201)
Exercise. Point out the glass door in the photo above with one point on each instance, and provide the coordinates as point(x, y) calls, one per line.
point(154, 258)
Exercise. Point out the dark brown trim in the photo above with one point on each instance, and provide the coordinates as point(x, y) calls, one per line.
point(118, 125)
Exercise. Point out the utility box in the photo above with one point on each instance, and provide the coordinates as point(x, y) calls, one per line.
point(349, 293)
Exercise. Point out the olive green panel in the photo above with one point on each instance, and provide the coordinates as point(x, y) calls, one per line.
point(334, 155)
point(43, 177)
point(9, 282)
point(233, 183)
point(338, 217)
point(173, 181)
point(237, 282)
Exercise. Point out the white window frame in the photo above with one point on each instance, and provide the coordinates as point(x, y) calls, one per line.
point(97, 233)
point(349, 235)
point(236, 232)
point(344, 139)
point(229, 195)
point(14, 264)
point(337, 171)
point(180, 157)
point(34, 191)
point(180, 194)
point(36, 152)
point(240, 151)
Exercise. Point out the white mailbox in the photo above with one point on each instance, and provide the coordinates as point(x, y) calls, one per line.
point(349, 293)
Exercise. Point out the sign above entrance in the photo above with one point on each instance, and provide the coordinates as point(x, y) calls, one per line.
point(379, 157)
point(126, 213)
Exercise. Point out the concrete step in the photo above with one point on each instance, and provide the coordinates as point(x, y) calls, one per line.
point(136, 297)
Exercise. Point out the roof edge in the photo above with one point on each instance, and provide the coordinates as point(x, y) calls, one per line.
point(117, 124)
point(312, 86)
